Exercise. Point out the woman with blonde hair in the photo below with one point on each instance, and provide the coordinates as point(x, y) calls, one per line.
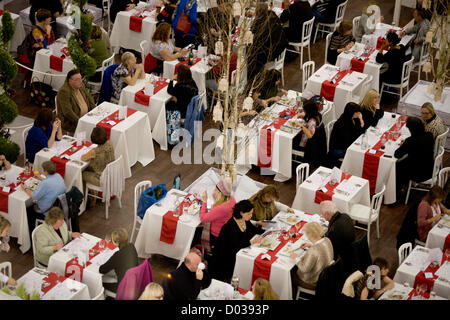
point(365, 26)
point(370, 109)
point(341, 40)
point(262, 290)
point(433, 123)
point(127, 73)
point(121, 260)
point(318, 257)
point(265, 207)
point(153, 291)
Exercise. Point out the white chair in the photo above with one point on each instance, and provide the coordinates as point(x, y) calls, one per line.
point(424, 55)
point(322, 27)
point(328, 129)
point(97, 85)
point(443, 177)
point(305, 40)
point(140, 187)
point(404, 83)
point(5, 269)
point(356, 21)
point(110, 294)
point(278, 64)
point(114, 184)
point(308, 68)
point(16, 130)
point(302, 173)
point(403, 252)
point(33, 240)
point(145, 48)
point(106, 7)
point(25, 135)
point(328, 113)
point(100, 296)
point(425, 185)
point(300, 289)
point(366, 215)
point(327, 44)
point(440, 142)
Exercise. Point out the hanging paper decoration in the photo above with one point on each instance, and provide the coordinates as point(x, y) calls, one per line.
point(425, 4)
point(237, 9)
point(241, 129)
point(429, 37)
point(427, 67)
point(248, 37)
point(223, 84)
point(248, 102)
point(219, 47)
point(217, 112)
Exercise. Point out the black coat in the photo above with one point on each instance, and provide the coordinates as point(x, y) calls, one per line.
point(344, 133)
point(395, 59)
point(122, 260)
point(52, 5)
point(183, 285)
point(297, 13)
point(341, 232)
point(316, 147)
point(117, 6)
point(184, 92)
point(371, 119)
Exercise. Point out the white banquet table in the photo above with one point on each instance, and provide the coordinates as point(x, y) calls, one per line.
point(418, 95)
point(131, 138)
point(65, 289)
point(344, 199)
point(156, 110)
point(381, 30)
point(438, 235)
point(91, 276)
point(355, 155)
point(348, 87)
point(416, 262)
point(219, 290)
point(401, 292)
point(19, 32)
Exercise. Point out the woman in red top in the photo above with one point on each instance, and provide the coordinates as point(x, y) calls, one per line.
point(430, 211)
point(42, 34)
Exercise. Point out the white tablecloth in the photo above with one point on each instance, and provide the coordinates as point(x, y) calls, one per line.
point(122, 36)
point(219, 290)
point(19, 32)
point(412, 103)
point(407, 273)
point(344, 91)
point(354, 157)
point(91, 276)
point(400, 289)
point(156, 111)
point(18, 201)
point(131, 138)
point(304, 198)
point(380, 31)
point(74, 171)
point(33, 280)
point(437, 235)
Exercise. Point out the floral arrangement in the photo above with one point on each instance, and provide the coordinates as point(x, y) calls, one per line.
point(22, 293)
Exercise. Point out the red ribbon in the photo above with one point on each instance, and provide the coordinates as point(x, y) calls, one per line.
point(242, 291)
point(322, 196)
point(328, 88)
point(70, 271)
point(185, 62)
point(103, 123)
point(1, 12)
point(262, 268)
point(61, 163)
point(56, 63)
point(359, 63)
point(4, 196)
point(136, 23)
point(52, 279)
point(446, 243)
point(141, 98)
point(381, 41)
point(421, 279)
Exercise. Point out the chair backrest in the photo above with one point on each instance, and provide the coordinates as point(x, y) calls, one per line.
point(329, 128)
point(327, 44)
point(25, 135)
point(424, 53)
point(5, 269)
point(100, 296)
point(106, 63)
point(437, 165)
point(145, 45)
point(302, 173)
point(140, 187)
point(376, 202)
point(406, 71)
point(440, 141)
point(279, 62)
point(307, 31)
point(356, 21)
point(340, 13)
point(114, 179)
point(443, 177)
point(36, 263)
point(106, 7)
point(403, 252)
point(308, 69)
point(134, 282)
point(330, 282)
point(328, 113)
point(366, 86)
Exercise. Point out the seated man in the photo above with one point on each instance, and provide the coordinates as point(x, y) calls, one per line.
point(74, 101)
point(186, 282)
point(45, 195)
point(419, 30)
point(4, 164)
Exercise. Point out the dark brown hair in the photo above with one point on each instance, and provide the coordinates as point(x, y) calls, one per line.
point(43, 14)
point(184, 74)
point(99, 135)
point(72, 73)
point(435, 192)
point(44, 118)
point(162, 32)
point(345, 26)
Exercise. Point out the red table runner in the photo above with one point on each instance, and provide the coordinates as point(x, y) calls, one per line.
point(262, 268)
point(56, 63)
point(322, 196)
point(185, 62)
point(103, 123)
point(446, 243)
point(329, 86)
point(51, 281)
point(421, 279)
point(358, 63)
point(136, 23)
point(1, 12)
point(4, 196)
point(141, 98)
point(61, 162)
point(382, 40)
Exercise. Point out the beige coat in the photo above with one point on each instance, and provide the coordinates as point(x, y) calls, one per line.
point(46, 237)
point(317, 258)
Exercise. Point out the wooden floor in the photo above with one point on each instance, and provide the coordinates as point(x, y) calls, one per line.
point(162, 170)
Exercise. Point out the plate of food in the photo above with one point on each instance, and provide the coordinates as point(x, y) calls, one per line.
point(269, 242)
point(290, 219)
point(397, 295)
point(290, 248)
point(445, 222)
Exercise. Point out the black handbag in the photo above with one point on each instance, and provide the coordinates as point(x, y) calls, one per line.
point(41, 93)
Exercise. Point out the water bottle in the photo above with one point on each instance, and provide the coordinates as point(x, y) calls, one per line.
point(27, 167)
point(190, 57)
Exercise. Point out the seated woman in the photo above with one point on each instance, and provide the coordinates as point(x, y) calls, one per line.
point(313, 119)
point(42, 34)
point(236, 234)
point(5, 225)
point(74, 101)
point(341, 40)
point(262, 290)
point(264, 204)
point(43, 133)
point(153, 291)
point(52, 235)
point(269, 90)
point(318, 257)
point(370, 109)
point(419, 149)
point(4, 164)
point(362, 292)
point(127, 73)
point(393, 59)
point(433, 123)
point(430, 211)
point(364, 26)
point(99, 52)
point(346, 130)
point(162, 49)
point(121, 260)
point(183, 91)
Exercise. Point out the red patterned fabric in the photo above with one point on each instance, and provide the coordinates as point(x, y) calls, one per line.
point(242, 291)
point(61, 163)
point(56, 63)
point(74, 270)
point(446, 243)
point(421, 279)
point(414, 293)
point(322, 196)
point(1, 12)
point(141, 98)
point(381, 41)
point(103, 124)
point(52, 280)
point(328, 87)
point(4, 196)
point(185, 62)
point(136, 23)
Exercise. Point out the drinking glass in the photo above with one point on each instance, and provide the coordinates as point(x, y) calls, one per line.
point(101, 245)
point(177, 209)
point(383, 140)
point(235, 282)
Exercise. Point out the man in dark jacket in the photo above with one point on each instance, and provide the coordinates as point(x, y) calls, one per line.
point(54, 6)
point(341, 230)
point(186, 282)
point(296, 13)
point(325, 11)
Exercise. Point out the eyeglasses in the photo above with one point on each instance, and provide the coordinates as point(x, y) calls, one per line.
point(76, 79)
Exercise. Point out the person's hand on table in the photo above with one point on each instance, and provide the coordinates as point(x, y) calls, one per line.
point(284, 91)
point(294, 255)
point(130, 6)
point(199, 274)
point(205, 197)
point(305, 245)
point(290, 210)
point(76, 235)
point(183, 52)
point(276, 98)
point(174, 78)
point(58, 246)
point(24, 187)
point(12, 282)
point(262, 223)
point(349, 46)
point(256, 240)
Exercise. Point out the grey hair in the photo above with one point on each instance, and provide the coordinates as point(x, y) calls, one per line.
point(329, 207)
point(49, 167)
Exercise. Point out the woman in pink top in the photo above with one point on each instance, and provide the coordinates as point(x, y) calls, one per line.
point(219, 214)
point(430, 211)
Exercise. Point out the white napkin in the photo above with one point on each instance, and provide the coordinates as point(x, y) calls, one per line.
point(434, 255)
point(265, 256)
point(149, 89)
point(444, 271)
point(336, 174)
point(201, 52)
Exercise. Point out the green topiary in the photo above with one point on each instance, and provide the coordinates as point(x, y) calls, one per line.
point(9, 149)
point(8, 109)
point(8, 67)
point(7, 29)
point(35, 295)
point(21, 292)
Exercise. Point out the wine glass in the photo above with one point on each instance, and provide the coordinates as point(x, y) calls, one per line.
point(177, 209)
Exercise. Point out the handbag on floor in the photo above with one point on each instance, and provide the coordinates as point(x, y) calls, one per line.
point(41, 93)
